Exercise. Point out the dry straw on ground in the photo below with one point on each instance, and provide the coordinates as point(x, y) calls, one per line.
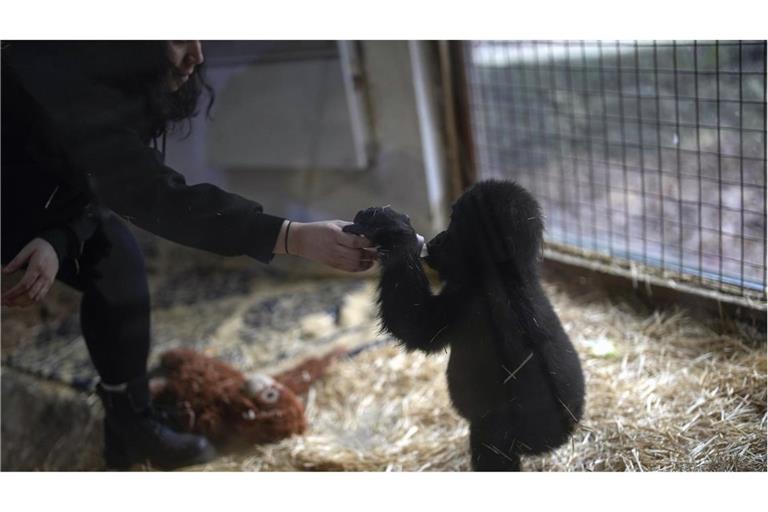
point(664, 393)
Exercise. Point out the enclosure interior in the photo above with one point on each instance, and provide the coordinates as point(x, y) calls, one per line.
point(644, 152)
point(647, 156)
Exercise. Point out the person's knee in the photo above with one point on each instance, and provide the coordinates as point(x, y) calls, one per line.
point(112, 262)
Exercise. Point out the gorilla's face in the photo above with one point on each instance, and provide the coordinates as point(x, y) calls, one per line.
point(450, 251)
point(446, 254)
point(437, 251)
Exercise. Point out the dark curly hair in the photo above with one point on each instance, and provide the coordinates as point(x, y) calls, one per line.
point(142, 68)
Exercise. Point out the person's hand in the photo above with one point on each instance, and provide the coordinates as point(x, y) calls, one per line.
point(326, 243)
point(42, 266)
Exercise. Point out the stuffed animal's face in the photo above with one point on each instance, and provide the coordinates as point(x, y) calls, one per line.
point(266, 411)
point(206, 396)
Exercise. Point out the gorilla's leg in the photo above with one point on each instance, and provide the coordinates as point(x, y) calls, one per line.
point(493, 446)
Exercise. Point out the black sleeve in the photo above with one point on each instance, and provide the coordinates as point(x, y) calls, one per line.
point(129, 177)
point(68, 240)
point(97, 128)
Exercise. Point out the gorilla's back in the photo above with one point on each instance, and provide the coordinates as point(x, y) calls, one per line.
point(475, 378)
point(495, 366)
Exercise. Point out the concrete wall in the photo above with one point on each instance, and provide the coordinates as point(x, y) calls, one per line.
point(220, 150)
point(283, 115)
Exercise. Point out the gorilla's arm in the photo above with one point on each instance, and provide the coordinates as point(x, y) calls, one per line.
point(408, 309)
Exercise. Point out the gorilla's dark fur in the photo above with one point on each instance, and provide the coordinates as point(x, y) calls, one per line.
point(513, 372)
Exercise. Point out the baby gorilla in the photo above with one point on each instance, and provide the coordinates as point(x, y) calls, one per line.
point(513, 372)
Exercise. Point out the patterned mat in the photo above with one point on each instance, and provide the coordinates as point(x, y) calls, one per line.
point(249, 321)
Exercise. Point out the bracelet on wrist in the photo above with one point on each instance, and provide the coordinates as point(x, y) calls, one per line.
point(287, 229)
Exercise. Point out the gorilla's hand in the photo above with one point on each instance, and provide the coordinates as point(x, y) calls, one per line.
point(391, 231)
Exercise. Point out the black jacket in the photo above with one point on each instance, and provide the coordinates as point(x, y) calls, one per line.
point(71, 143)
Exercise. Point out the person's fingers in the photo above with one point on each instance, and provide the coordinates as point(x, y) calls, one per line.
point(366, 261)
point(42, 291)
point(20, 259)
point(36, 289)
point(45, 291)
point(346, 259)
point(25, 291)
point(354, 229)
point(352, 241)
point(370, 253)
point(24, 299)
point(350, 255)
point(345, 265)
point(22, 286)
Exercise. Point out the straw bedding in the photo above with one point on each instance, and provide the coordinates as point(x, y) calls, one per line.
point(664, 393)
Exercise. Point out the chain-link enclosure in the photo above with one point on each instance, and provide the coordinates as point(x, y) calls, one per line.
point(649, 155)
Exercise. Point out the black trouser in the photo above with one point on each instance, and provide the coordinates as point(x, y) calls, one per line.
point(114, 312)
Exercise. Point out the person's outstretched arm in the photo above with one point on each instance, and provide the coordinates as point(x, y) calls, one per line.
point(99, 131)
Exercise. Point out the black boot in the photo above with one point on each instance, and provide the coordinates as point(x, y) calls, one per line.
point(133, 433)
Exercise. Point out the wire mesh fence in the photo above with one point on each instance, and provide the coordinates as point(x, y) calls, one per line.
point(649, 153)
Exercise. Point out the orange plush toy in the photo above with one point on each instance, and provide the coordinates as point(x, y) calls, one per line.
point(204, 395)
